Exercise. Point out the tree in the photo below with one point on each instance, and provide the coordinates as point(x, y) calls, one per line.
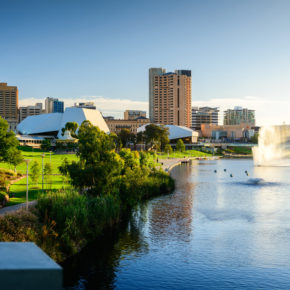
point(72, 127)
point(98, 166)
point(156, 136)
point(254, 139)
point(168, 149)
point(35, 172)
point(45, 144)
point(47, 173)
point(180, 146)
point(126, 137)
point(8, 145)
point(15, 157)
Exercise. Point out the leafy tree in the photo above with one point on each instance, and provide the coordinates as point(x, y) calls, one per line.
point(168, 149)
point(15, 157)
point(72, 127)
point(126, 137)
point(99, 165)
point(47, 173)
point(8, 145)
point(180, 145)
point(45, 144)
point(156, 136)
point(255, 138)
point(35, 172)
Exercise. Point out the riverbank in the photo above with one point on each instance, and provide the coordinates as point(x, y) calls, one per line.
point(168, 164)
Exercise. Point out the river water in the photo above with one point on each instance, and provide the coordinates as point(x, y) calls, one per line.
point(214, 232)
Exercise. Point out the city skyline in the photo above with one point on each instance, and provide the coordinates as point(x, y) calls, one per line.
point(236, 50)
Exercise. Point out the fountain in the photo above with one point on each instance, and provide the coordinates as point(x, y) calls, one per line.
point(273, 146)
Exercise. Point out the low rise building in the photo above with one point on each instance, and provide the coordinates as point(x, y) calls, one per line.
point(86, 105)
point(243, 131)
point(134, 114)
point(239, 116)
point(30, 111)
point(116, 125)
point(204, 115)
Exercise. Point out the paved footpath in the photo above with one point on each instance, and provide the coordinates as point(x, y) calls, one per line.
point(13, 208)
point(168, 164)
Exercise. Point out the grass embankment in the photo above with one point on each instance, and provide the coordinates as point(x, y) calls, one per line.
point(18, 189)
point(65, 221)
point(187, 153)
point(239, 150)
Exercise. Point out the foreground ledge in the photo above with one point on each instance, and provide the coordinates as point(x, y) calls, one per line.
point(25, 266)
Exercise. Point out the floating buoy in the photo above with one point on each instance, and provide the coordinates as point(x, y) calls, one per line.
point(231, 175)
point(225, 170)
point(247, 173)
point(214, 171)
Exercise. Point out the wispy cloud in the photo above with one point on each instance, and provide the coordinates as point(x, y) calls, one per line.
point(268, 111)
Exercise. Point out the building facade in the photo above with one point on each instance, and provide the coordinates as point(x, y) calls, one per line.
point(86, 105)
point(30, 111)
point(152, 73)
point(238, 116)
point(116, 125)
point(9, 105)
point(227, 133)
point(204, 115)
point(170, 97)
point(134, 114)
point(53, 106)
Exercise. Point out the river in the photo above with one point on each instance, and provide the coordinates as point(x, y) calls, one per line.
point(214, 232)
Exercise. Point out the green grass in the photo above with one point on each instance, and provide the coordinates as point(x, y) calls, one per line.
point(187, 153)
point(18, 189)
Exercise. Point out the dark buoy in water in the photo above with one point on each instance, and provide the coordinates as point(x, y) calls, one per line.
point(214, 171)
point(247, 173)
point(225, 170)
point(231, 175)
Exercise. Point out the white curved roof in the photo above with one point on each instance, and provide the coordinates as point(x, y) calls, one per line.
point(40, 124)
point(175, 132)
point(52, 122)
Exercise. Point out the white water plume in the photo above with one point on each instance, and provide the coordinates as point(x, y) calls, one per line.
point(273, 146)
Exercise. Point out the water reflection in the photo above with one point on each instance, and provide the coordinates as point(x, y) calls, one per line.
point(214, 231)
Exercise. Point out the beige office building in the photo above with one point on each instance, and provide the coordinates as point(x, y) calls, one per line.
point(30, 111)
point(116, 125)
point(170, 97)
point(134, 114)
point(9, 105)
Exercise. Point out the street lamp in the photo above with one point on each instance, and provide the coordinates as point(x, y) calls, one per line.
point(43, 155)
point(26, 161)
point(50, 156)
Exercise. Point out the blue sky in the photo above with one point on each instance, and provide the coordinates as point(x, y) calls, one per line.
point(238, 51)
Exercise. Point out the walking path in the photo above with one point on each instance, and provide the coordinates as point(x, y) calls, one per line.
point(14, 208)
point(169, 164)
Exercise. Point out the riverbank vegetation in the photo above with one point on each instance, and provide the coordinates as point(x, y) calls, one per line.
point(105, 187)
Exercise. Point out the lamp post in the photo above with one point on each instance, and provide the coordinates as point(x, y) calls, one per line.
point(42, 170)
point(50, 156)
point(26, 161)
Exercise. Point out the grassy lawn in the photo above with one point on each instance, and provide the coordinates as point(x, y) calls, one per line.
point(18, 189)
point(187, 153)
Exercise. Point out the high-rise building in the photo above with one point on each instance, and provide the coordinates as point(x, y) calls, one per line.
point(134, 114)
point(152, 73)
point(170, 97)
point(30, 111)
point(9, 105)
point(53, 106)
point(238, 116)
point(204, 115)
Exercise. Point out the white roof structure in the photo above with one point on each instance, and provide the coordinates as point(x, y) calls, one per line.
point(54, 122)
point(175, 132)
